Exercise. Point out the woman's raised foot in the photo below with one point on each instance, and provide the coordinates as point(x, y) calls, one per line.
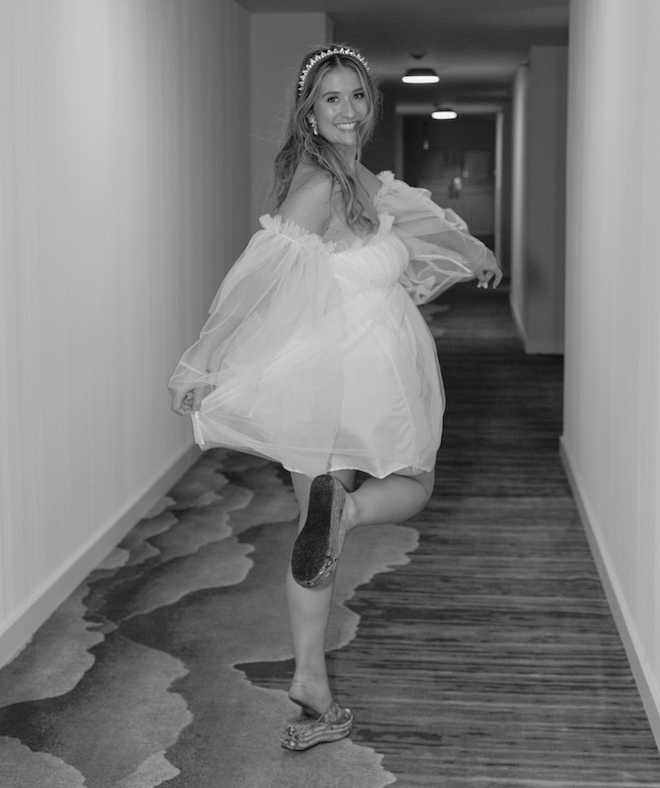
point(319, 544)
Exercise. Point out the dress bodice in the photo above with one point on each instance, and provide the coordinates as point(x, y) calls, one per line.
point(375, 264)
point(363, 264)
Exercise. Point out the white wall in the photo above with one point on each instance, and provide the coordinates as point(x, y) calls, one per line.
point(539, 199)
point(278, 43)
point(124, 197)
point(611, 441)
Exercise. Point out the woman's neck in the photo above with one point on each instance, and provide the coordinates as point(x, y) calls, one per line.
point(349, 157)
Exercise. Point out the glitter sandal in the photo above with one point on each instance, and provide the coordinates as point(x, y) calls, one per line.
point(333, 725)
point(317, 549)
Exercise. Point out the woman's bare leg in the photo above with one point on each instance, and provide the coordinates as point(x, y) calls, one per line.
point(393, 499)
point(309, 611)
point(377, 501)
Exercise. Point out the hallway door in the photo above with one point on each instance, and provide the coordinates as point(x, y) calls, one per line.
point(455, 161)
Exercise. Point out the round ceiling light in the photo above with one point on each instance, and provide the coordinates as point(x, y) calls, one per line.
point(444, 114)
point(420, 76)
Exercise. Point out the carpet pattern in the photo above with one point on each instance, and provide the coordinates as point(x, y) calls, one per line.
point(473, 644)
point(132, 683)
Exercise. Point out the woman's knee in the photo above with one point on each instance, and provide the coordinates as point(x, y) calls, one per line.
point(427, 480)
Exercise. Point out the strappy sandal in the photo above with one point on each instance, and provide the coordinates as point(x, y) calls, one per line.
point(317, 549)
point(333, 725)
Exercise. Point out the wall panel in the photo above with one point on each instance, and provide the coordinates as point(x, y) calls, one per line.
point(539, 199)
point(124, 198)
point(611, 441)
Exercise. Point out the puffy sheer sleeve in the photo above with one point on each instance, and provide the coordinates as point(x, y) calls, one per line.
point(280, 286)
point(442, 252)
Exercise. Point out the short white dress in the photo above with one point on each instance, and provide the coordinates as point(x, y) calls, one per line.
point(315, 354)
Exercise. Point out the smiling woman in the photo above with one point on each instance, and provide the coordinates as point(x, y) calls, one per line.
point(341, 104)
point(317, 357)
point(330, 87)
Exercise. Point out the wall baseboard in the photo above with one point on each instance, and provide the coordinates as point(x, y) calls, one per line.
point(645, 681)
point(26, 621)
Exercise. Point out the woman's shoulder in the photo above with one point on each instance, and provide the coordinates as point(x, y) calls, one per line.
point(308, 202)
point(311, 183)
point(309, 176)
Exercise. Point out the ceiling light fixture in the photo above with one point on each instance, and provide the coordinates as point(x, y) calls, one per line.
point(420, 76)
point(444, 114)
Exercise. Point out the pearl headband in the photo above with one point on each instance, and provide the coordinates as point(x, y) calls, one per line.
point(326, 54)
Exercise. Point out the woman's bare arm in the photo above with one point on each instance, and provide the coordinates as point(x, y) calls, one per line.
point(308, 203)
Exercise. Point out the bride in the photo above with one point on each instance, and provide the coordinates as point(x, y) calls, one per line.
point(316, 356)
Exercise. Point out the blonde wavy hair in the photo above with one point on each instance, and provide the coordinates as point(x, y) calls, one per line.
point(301, 144)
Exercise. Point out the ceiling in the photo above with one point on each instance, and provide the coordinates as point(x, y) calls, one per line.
point(474, 45)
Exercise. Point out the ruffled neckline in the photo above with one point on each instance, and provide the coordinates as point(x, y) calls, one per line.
point(294, 232)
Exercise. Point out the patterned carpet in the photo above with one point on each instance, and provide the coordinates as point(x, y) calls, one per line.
point(474, 644)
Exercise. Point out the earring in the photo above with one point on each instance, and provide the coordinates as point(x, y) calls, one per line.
point(314, 125)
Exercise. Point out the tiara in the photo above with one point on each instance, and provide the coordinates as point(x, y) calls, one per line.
point(325, 54)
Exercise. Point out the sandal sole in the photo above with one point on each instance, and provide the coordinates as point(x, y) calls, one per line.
point(316, 550)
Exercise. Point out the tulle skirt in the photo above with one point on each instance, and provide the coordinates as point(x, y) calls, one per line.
point(331, 367)
point(377, 407)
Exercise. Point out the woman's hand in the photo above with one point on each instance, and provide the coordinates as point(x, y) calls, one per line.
point(185, 402)
point(487, 271)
